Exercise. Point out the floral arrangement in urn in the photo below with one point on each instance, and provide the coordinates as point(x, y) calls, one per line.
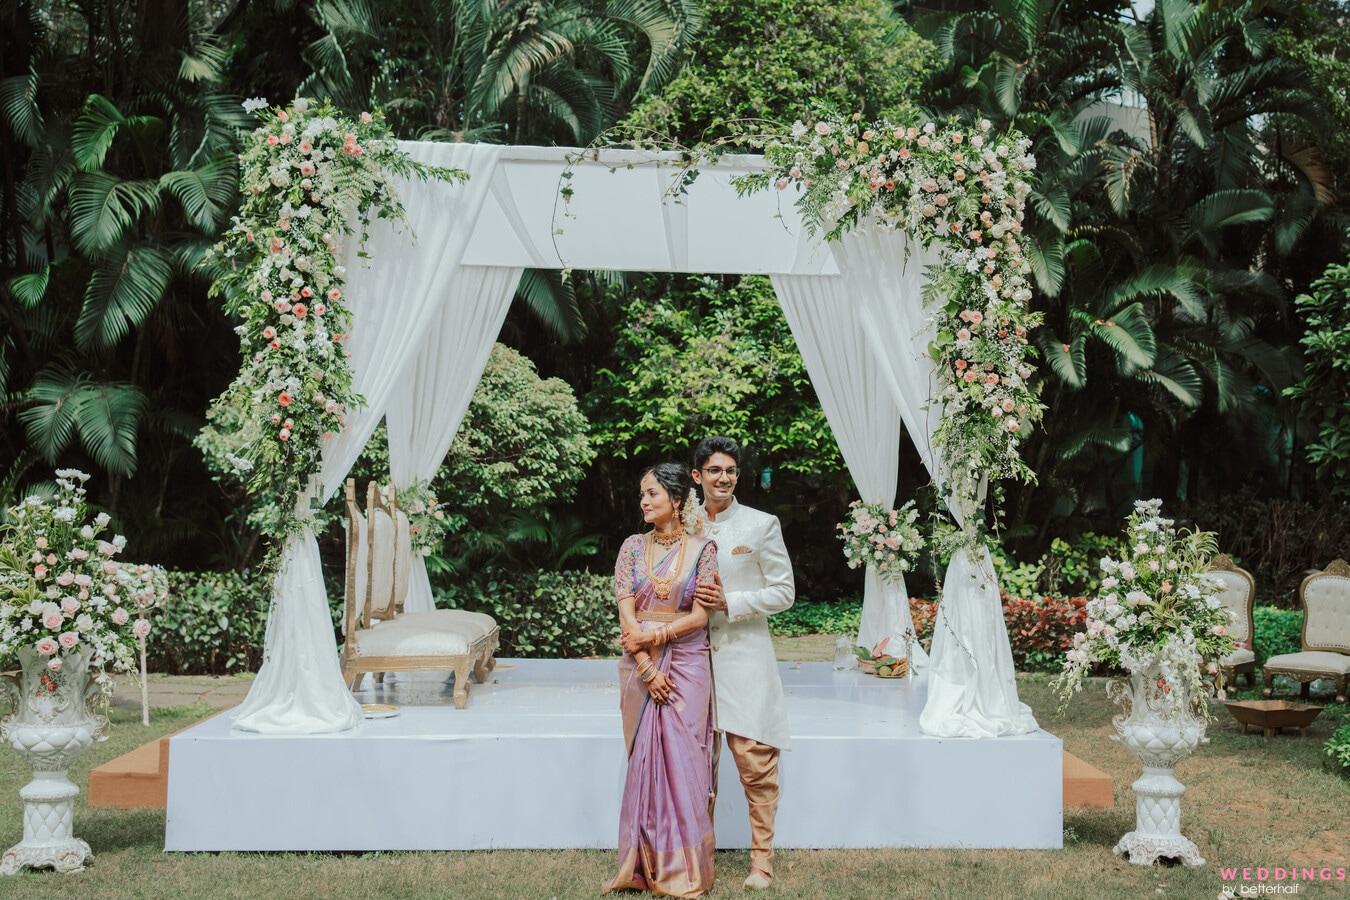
point(71, 615)
point(1157, 609)
point(885, 539)
point(962, 189)
point(63, 593)
point(1158, 617)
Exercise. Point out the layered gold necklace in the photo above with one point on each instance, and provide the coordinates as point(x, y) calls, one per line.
point(662, 585)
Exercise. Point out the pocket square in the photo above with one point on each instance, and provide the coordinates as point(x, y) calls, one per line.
point(741, 551)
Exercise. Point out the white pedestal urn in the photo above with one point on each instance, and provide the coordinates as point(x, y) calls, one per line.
point(1161, 726)
point(50, 726)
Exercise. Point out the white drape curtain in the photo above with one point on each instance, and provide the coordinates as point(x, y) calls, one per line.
point(972, 687)
point(863, 416)
point(424, 416)
point(299, 689)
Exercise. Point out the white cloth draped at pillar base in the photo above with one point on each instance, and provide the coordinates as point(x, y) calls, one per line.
point(299, 689)
point(423, 418)
point(972, 686)
point(864, 419)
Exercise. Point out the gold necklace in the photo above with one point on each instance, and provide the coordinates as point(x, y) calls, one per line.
point(662, 585)
point(668, 540)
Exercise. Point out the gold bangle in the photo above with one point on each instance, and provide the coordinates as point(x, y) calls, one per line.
point(648, 676)
point(667, 634)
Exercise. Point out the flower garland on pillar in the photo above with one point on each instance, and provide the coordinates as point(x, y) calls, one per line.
point(310, 178)
point(963, 190)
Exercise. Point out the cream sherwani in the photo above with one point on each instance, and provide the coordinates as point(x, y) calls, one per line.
point(757, 580)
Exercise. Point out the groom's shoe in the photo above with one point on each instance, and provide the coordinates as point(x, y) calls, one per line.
point(758, 881)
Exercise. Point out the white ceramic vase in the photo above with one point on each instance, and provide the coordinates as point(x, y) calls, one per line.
point(1161, 726)
point(52, 723)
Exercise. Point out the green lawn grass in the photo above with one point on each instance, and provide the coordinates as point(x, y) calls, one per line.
point(1249, 801)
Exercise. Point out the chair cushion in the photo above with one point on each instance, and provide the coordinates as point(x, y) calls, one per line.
point(472, 625)
point(1238, 657)
point(393, 639)
point(1311, 661)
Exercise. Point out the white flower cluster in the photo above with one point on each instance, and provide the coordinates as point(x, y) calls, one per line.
point(1156, 608)
point(72, 597)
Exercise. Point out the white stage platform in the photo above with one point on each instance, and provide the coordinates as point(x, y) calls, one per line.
point(537, 761)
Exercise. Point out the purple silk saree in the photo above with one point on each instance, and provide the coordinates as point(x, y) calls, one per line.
point(665, 824)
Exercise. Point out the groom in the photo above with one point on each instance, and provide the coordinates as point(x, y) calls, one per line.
point(755, 582)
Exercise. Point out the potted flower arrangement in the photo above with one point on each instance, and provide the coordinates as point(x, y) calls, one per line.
point(887, 540)
point(68, 620)
point(1157, 617)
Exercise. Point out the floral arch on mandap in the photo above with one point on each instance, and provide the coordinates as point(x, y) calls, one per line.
point(371, 277)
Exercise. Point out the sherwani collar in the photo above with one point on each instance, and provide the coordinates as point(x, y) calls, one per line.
point(727, 514)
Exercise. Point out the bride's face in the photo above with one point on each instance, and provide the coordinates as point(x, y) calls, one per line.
point(655, 502)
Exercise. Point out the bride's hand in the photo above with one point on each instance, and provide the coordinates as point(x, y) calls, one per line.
point(635, 641)
point(659, 688)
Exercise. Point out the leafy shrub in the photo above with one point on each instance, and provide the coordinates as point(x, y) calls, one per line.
point(212, 624)
point(1016, 578)
point(1277, 631)
point(544, 614)
point(1338, 748)
point(1042, 629)
point(522, 445)
point(1069, 568)
point(1074, 567)
point(817, 617)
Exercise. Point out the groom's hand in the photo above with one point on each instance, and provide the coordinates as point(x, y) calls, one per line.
point(710, 596)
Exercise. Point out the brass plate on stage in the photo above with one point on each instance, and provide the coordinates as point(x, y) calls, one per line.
point(378, 710)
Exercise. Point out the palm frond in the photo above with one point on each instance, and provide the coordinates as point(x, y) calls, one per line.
point(205, 193)
point(123, 291)
point(104, 209)
point(18, 101)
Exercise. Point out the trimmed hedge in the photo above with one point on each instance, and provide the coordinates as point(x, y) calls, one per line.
point(213, 623)
point(544, 614)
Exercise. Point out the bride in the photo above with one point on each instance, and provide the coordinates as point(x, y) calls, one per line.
point(665, 694)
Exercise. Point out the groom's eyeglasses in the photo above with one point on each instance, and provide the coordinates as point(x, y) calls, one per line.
point(718, 472)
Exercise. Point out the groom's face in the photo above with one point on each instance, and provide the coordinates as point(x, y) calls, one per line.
point(718, 478)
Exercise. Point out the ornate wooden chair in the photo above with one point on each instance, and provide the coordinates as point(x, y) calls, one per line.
point(378, 636)
point(1325, 597)
point(1237, 592)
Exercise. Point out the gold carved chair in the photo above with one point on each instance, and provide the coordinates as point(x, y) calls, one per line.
point(1237, 592)
point(379, 636)
point(1325, 597)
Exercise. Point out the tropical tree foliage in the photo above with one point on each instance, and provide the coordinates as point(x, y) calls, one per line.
point(1162, 219)
point(117, 150)
point(1324, 392)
